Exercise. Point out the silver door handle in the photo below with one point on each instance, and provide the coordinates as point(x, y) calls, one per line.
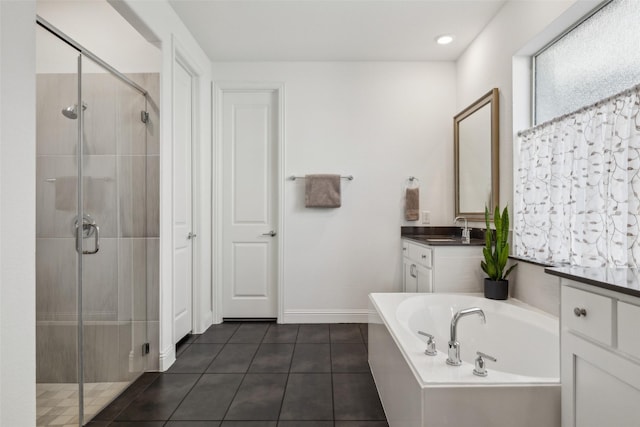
point(191, 235)
point(271, 233)
point(96, 238)
point(412, 271)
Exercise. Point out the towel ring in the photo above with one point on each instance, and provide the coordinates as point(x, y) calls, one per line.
point(413, 179)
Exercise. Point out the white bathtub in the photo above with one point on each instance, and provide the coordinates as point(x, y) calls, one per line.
point(521, 389)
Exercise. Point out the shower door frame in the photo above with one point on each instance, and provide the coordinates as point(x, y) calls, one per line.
point(83, 53)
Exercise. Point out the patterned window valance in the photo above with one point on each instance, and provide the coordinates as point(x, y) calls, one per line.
point(577, 188)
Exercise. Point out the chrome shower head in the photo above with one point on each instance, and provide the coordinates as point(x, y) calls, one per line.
point(71, 112)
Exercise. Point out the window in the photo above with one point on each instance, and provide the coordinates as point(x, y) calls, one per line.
point(598, 58)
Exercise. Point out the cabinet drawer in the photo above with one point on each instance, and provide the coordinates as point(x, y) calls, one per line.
point(596, 323)
point(628, 331)
point(420, 254)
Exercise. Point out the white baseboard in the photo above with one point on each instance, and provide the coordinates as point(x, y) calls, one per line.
point(167, 357)
point(325, 316)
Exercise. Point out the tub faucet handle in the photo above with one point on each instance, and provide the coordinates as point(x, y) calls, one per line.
point(431, 344)
point(480, 369)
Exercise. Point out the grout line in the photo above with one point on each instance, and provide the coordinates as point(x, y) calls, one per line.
point(199, 378)
point(244, 375)
point(333, 398)
point(295, 343)
point(130, 401)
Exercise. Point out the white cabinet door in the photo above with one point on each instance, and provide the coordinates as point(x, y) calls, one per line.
point(599, 387)
point(424, 279)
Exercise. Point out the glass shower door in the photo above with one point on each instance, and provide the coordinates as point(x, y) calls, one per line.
point(114, 244)
point(57, 262)
point(97, 231)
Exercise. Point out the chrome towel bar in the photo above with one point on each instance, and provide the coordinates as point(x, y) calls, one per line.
point(293, 177)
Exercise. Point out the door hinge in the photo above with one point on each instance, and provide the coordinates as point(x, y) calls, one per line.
point(145, 348)
point(144, 116)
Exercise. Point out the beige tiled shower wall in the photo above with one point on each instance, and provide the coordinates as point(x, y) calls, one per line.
point(120, 282)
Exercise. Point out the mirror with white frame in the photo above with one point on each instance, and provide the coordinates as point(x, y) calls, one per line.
point(476, 145)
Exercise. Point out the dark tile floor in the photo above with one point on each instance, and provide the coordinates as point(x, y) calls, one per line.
point(257, 375)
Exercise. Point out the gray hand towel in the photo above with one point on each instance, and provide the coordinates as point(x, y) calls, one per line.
point(412, 204)
point(322, 191)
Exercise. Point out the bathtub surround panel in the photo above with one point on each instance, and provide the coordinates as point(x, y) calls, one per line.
point(443, 407)
point(393, 379)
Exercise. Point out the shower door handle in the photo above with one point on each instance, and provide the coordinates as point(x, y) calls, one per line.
point(96, 239)
point(88, 229)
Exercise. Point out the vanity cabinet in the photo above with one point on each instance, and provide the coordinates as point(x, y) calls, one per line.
point(418, 275)
point(600, 356)
point(434, 268)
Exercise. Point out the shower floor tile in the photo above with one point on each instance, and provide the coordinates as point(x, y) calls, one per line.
point(57, 403)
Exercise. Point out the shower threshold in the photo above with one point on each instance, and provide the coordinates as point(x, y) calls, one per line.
point(57, 403)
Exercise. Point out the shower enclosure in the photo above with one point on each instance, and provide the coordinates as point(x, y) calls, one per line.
point(97, 229)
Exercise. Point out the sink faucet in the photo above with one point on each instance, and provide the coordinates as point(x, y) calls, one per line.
point(466, 238)
point(454, 345)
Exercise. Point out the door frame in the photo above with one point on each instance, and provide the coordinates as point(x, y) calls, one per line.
point(219, 89)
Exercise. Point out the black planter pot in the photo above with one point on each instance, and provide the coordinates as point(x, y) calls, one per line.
point(496, 289)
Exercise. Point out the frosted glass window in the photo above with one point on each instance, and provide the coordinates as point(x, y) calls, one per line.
point(597, 59)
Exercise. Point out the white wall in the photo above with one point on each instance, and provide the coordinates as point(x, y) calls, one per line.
point(487, 63)
point(17, 213)
point(380, 122)
point(159, 24)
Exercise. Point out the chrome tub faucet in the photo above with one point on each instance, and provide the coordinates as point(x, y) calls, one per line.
point(454, 345)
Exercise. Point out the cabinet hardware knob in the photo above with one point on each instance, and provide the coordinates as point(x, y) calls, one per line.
point(424, 256)
point(579, 312)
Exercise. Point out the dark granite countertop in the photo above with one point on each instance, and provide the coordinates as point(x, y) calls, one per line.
point(442, 236)
point(623, 280)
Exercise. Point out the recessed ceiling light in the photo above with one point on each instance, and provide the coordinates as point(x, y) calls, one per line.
point(444, 39)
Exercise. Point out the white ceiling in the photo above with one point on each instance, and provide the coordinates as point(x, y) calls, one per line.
point(334, 30)
point(98, 27)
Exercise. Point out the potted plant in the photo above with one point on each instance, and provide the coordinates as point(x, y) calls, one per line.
point(496, 254)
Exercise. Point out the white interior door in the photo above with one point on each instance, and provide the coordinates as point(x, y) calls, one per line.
point(250, 238)
point(182, 203)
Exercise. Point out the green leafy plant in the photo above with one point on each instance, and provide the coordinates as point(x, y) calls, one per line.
point(496, 250)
